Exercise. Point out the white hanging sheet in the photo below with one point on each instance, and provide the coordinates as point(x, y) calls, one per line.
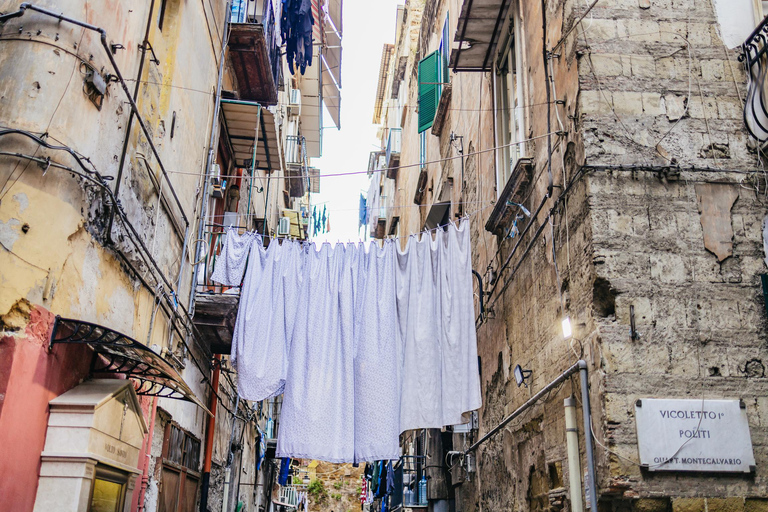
point(365, 344)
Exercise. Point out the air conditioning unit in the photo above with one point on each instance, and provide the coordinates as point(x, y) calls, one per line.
point(284, 226)
point(294, 103)
point(216, 186)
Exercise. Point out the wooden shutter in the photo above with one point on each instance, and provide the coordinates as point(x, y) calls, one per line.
point(429, 89)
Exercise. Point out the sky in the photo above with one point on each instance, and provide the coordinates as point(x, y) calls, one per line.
point(368, 25)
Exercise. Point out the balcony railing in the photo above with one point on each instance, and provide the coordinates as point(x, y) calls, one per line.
point(755, 58)
point(254, 38)
point(376, 161)
point(297, 161)
point(394, 141)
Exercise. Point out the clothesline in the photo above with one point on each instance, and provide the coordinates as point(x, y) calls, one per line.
point(384, 169)
point(260, 215)
point(388, 237)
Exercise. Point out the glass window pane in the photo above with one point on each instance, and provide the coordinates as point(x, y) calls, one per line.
point(106, 496)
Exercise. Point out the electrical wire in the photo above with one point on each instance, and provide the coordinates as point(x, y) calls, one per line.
point(385, 169)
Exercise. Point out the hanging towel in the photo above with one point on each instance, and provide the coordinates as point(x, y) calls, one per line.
point(419, 321)
point(267, 309)
point(317, 419)
point(230, 264)
point(285, 467)
point(460, 386)
point(377, 356)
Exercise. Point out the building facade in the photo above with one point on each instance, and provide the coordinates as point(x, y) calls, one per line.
point(608, 156)
point(132, 135)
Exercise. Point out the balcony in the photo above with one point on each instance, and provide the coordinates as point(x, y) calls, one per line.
point(394, 142)
point(215, 305)
point(754, 54)
point(297, 166)
point(376, 161)
point(254, 51)
point(478, 33)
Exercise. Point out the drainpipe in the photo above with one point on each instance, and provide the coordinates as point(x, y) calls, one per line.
point(586, 408)
point(230, 459)
point(210, 434)
point(129, 126)
point(147, 454)
point(209, 162)
point(574, 464)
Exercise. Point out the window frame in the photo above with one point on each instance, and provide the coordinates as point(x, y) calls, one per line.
point(508, 98)
point(109, 474)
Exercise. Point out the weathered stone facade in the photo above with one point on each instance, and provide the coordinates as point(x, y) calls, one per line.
point(656, 203)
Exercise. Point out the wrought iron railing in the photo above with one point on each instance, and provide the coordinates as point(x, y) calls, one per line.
point(755, 58)
point(214, 238)
point(295, 150)
point(250, 11)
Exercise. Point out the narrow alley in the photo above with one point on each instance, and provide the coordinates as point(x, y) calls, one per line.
point(524, 268)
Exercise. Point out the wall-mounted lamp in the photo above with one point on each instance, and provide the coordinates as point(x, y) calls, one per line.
point(521, 375)
point(567, 332)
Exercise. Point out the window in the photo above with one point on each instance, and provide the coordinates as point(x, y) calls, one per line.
point(422, 150)
point(507, 109)
point(180, 477)
point(444, 50)
point(433, 73)
point(429, 89)
point(108, 491)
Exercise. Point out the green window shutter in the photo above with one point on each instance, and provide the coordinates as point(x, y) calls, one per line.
point(429, 89)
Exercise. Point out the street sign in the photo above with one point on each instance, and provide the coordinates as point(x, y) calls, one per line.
point(694, 435)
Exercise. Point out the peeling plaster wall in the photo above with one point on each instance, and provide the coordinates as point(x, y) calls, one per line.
point(53, 224)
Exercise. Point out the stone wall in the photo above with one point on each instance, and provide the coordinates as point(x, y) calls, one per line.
point(637, 85)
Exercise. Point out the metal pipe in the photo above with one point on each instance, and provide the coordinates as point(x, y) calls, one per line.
point(547, 78)
point(585, 409)
point(581, 367)
point(209, 161)
point(253, 161)
point(129, 126)
point(574, 462)
point(147, 454)
point(134, 107)
point(230, 458)
point(210, 432)
point(517, 412)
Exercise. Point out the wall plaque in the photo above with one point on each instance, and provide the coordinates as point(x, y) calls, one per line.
point(694, 435)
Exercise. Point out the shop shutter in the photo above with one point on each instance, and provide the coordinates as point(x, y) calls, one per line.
point(429, 89)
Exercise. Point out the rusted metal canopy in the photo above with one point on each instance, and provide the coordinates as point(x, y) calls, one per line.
point(244, 126)
point(250, 61)
point(478, 30)
point(117, 353)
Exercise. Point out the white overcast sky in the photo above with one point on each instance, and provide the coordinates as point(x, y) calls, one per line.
point(368, 24)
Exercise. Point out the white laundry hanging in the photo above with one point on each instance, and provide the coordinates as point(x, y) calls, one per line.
point(365, 343)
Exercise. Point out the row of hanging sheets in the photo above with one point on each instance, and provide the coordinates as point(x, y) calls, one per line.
point(364, 342)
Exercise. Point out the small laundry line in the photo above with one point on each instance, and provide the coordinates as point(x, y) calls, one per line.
point(363, 342)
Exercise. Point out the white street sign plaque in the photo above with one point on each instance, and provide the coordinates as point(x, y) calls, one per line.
point(694, 435)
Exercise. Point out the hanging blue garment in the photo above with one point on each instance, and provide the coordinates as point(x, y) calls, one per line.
point(390, 478)
point(324, 220)
point(285, 467)
point(296, 22)
point(363, 213)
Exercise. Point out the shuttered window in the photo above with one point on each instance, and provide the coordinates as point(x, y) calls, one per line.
point(429, 89)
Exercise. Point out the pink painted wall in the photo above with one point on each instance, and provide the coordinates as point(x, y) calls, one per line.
point(30, 377)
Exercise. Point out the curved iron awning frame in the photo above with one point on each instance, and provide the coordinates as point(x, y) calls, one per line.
point(151, 374)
